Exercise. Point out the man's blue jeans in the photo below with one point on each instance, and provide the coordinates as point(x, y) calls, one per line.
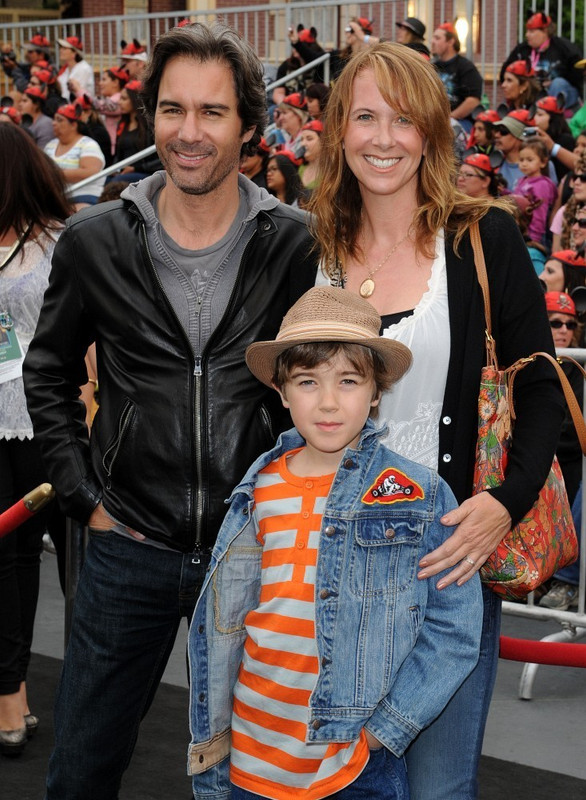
point(128, 607)
point(383, 778)
point(443, 761)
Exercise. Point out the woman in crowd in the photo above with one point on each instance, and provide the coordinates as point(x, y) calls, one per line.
point(481, 136)
point(311, 142)
point(74, 67)
point(317, 99)
point(133, 136)
point(564, 271)
point(392, 226)
point(92, 126)
point(549, 117)
point(563, 221)
point(111, 83)
point(32, 104)
point(46, 79)
point(520, 86)
point(254, 166)
point(32, 213)
point(283, 178)
point(77, 155)
point(477, 176)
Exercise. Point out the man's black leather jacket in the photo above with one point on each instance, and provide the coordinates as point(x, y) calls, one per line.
point(173, 434)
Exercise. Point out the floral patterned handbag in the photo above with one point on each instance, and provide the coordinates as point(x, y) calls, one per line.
point(545, 539)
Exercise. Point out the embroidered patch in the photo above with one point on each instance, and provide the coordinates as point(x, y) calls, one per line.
point(393, 486)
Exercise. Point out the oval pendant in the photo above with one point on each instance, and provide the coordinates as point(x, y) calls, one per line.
point(366, 287)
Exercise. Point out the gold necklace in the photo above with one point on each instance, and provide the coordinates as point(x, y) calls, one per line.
point(368, 286)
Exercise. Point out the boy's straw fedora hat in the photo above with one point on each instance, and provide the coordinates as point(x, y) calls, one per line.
point(328, 314)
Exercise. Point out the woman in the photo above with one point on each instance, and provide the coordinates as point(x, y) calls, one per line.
point(481, 136)
point(77, 155)
point(111, 83)
point(563, 221)
point(283, 178)
point(32, 103)
point(92, 126)
point(311, 142)
point(74, 67)
point(133, 136)
point(564, 271)
point(549, 117)
point(389, 219)
point(477, 176)
point(254, 166)
point(520, 86)
point(32, 213)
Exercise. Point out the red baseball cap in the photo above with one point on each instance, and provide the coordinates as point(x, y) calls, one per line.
point(10, 111)
point(560, 302)
point(119, 73)
point(522, 69)
point(73, 42)
point(537, 21)
point(365, 24)
point(479, 161)
point(134, 86)
point(36, 91)
point(313, 125)
point(550, 104)
point(69, 111)
point(570, 258)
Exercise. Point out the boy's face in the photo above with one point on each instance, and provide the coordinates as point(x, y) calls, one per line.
point(329, 405)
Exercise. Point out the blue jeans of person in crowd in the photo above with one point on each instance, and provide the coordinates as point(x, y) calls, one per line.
point(129, 604)
point(562, 85)
point(571, 573)
point(383, 778)
point(442, 762)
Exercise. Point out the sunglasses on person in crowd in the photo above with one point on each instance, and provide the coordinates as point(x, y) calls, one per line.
point(557, 323)
point(581, 177)
point(581, 223)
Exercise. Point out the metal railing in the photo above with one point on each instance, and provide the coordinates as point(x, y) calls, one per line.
point(492, 31)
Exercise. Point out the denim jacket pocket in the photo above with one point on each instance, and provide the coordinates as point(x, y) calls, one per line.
point(384, 555)
point(238, 575)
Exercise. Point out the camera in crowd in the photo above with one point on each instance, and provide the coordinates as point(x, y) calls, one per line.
point(530, 130)
point(9, 56)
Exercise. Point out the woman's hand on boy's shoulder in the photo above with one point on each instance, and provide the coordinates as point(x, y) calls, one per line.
point(482, 523)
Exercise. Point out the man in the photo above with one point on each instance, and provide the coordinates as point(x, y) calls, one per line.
point(134, 59)
point(172, 283)
point(508, 137)
point(38, 48)
point(552, 57)
point(462, 80)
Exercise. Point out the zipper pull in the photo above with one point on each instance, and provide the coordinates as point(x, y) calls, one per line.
point(198, 371)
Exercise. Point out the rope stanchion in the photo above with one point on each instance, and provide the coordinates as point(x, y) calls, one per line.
point(24, 509)
point(560, 654)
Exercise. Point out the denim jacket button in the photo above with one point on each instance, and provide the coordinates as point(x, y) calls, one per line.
point(315, 724)
point(245, 512)
point(349, 464)
point(329, 530)
point(324, 594)
point(201, 759)
point(389, 533)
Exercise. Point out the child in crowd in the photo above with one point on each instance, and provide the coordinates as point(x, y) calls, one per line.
point(533, 163)
point(316, 654)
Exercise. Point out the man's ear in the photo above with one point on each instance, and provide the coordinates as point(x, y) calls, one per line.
point(282, 395)
point(375, 400)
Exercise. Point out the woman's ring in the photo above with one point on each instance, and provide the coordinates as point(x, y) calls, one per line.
point(470, 561)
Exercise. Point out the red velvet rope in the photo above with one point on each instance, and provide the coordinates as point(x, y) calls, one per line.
point(13, 517)
point(557, 653)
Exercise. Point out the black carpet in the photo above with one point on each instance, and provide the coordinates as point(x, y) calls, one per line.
point(158, 769)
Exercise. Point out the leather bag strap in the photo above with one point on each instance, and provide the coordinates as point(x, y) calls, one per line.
point(480, 264)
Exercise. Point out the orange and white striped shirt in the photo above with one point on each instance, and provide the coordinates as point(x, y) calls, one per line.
point(279, 669)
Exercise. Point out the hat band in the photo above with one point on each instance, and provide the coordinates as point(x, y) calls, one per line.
point(324, 330)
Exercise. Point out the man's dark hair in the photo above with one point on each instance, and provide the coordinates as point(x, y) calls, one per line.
point(215, 42)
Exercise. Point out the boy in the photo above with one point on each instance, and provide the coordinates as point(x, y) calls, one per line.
point(316, 655)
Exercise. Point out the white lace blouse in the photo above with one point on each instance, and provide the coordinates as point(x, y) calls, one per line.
point(412, 407)
point(22, 286)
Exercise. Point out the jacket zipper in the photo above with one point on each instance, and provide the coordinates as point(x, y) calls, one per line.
point(114, 448)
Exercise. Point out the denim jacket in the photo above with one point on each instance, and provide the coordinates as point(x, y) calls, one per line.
point(393, 649)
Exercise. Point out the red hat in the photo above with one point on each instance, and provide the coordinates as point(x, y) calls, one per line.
point(551, 105)
point(365, 24)
point(449, 27)
point(84, 101)
point(134, 86)
point(522, 69)
point(263, 147)
point(488, 116)
point(307, 36)
point(74, 42)
point(11, 112)
point(69, 111)
point(570, 258)
point(36, 91)
point(313, 125)
point(537, 21)
point(522, 114)
point(38, 42)
point(41, 64)
point(133, 48)
point(560, 302)
point(119, 73)
point(46, 76)
point(479, 161)
point(290, 155)
point(296, 102)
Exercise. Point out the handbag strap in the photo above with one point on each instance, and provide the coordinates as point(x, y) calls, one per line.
point(571, 400)
point(482, 274)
